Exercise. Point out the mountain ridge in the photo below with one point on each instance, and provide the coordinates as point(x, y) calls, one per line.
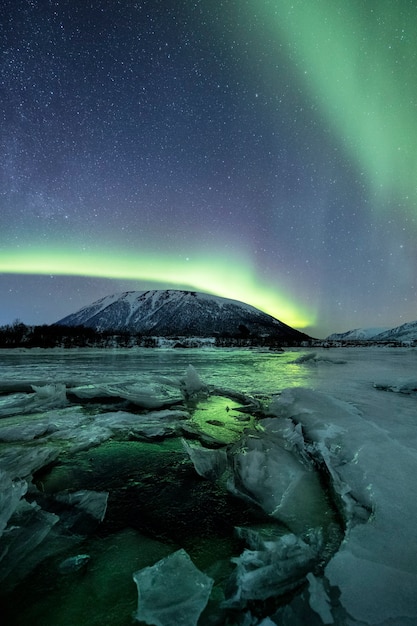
point(404, 332)
point(361, 334)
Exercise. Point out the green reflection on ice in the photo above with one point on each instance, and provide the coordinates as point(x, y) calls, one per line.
point(219, 418)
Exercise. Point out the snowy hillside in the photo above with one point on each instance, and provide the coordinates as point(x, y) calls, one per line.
point(177, 312)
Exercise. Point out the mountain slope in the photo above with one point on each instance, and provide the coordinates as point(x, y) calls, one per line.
point(175, 312)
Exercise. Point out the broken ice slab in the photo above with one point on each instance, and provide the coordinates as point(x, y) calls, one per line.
point(92, 502)
point(272, 570)
point(28, 528)
point(45, 425)
point(25, 431)
point(74, 563)
point(408, 386)
point(278, 480)
point(190, 385)
point(313, 358)
point(11, 491)
point(163, 423)
point(193, 385)
point(208, 463)
point(74, 439)
point(173, 591)
point(19, 386)
point(44, 397)
point(319, 599)
point(143, 394)
point(22, 461)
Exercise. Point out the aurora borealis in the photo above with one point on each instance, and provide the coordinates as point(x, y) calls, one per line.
point(260, 150)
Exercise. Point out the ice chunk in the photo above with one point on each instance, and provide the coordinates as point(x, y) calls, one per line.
point(335, 431)
point(207, 463)
point(25, 431)
point(190, 384)
point(92, 502)
point(273, 570)
point(44, 397)
point(193, 383)
point(161, 423)
point(87, 433)
point(319, 600)
point(29, 527)
point(408, 386)
point(313, 358)
point(11, 491)
point(277, 479)
point(306, 358)
point(74, 563)
point(22, 461)
point(173, 591)
point(145, 394)
point(84, 438)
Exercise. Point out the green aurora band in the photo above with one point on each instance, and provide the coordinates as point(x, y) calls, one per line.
point(358, 59)
point(213, 275)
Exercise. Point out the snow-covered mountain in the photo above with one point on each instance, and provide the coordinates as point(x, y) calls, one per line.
point(183, 313)
point(357, 334)
point(405, 332)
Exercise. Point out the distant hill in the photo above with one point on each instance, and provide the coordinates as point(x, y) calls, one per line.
point(172, 312)
point(405, 332)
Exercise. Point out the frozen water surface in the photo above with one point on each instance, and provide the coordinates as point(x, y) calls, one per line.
point(286, 479)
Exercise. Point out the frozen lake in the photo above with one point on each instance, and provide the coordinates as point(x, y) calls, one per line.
point(122, 459)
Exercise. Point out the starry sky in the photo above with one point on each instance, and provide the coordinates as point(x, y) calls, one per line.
point(262, 150)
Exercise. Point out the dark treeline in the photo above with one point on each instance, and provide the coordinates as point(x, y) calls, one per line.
point(19, 335)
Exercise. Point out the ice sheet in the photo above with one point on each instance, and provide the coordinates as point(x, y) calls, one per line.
point(375, 570)
point(336, 412)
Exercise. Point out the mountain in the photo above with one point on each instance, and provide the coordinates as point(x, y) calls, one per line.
point(174, 312)
point(405, 332)
point(357, 334)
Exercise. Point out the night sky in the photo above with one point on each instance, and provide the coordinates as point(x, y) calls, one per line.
point(262, 150)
